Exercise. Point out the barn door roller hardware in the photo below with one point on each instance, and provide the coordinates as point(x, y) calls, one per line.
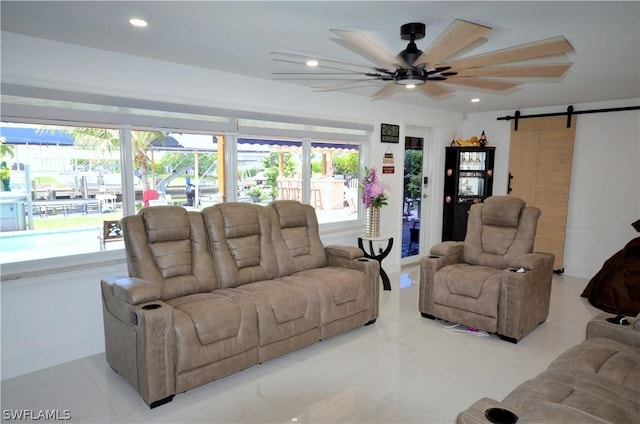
point(569, 113)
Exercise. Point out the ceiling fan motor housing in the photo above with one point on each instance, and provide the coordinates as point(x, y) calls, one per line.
point(413, 30)
point(412, 76)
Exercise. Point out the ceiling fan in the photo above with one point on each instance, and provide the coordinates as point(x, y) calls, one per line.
point(433, 70)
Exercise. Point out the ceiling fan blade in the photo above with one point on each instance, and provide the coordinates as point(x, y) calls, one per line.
point(386, 91)
point(457, 36)
point(483, 83)
point(304, 57)
point(554, 70)
point(549, 47)
point(317, 73)
point(434, 89)
point(343, 85)
point(363, 46)
point(320, 65)
point(314, 78)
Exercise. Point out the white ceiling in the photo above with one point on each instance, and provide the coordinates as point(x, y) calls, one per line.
point(238, 36)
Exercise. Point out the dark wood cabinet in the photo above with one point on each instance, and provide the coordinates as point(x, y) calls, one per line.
point(468, 179)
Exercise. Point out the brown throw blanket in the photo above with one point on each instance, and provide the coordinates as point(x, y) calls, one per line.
point(616, 287)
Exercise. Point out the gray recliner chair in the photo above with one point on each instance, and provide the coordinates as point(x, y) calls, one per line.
point(491, 281)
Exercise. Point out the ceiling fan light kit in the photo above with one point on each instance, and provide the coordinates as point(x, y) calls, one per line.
point(435, 70)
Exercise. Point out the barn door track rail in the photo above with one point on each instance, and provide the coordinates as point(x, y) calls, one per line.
point(569, 113)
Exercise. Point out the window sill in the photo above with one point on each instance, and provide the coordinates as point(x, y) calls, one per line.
point(27, 269)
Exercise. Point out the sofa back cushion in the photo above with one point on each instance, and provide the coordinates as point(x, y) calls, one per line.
point(167, 245)
point(296, 237)
point(240, 239)
point(499, 230)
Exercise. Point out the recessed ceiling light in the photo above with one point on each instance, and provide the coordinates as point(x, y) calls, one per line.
point(137, 22)
point(410, 86)
point(312, 63)
point(475, 100)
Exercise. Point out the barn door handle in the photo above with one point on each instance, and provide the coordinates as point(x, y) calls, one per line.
point(509, 189)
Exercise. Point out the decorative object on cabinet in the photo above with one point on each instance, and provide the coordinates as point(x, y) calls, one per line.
point(474, 141)
point(483, 139)
point(468, 180)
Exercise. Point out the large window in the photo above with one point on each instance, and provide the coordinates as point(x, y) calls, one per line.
point(62, 184)
point(66, 188)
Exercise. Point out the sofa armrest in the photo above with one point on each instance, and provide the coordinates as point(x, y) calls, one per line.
point(442, 254)
point(353, 258)
point(627, 334)
point(139, 337)
point(344, 252)
point(476, 412)
point(134, 290)
point(524, 296)
point(541, 412)
point(532, 261)
point(450, 249)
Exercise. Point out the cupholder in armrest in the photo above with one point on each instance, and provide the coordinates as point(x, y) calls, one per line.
point(500, 416)
point(151, 306)
point(619, 319)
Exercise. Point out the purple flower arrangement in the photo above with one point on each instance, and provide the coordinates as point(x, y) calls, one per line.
point(374, 193)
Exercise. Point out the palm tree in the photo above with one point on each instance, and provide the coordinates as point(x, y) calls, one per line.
point(5, 149)
point(103, 141)
point(141, 140)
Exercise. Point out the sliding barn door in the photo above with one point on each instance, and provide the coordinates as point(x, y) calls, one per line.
point(540, 158)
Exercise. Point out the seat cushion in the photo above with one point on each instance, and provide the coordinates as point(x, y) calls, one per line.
point(284, 310)
point(578, 389)
point(605, 358)
point(469, 288)
point(214, 317)
point(343, 291)
point(210, 327)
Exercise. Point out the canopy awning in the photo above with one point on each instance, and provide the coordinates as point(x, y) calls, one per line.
point(204, 143)
point(21, 135)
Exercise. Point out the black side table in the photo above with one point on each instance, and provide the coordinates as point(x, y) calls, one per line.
point(371, 254)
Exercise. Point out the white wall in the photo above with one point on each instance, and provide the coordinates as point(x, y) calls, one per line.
point(604, 197)
point(51, 319)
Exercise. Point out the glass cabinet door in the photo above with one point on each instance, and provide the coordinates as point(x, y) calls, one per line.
point(472, 161)
point(470, 184)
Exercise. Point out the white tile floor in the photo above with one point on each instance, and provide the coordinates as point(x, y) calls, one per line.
point(402, 369)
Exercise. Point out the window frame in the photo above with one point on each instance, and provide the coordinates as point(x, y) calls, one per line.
point(28, 105)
